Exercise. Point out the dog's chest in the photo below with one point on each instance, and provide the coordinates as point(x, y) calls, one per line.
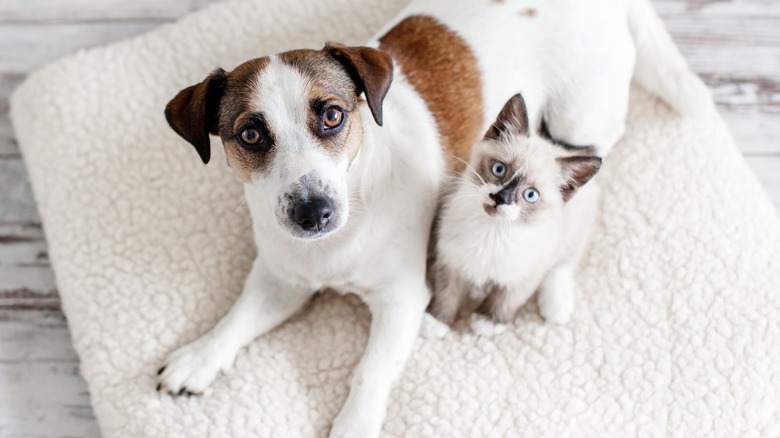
point(341, 266)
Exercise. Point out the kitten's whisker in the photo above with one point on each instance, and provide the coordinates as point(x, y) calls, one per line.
point(468, 166)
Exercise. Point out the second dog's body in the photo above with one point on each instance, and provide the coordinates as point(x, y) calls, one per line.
point(338, 202)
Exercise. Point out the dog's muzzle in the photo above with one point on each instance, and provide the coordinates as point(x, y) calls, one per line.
point(312, 215)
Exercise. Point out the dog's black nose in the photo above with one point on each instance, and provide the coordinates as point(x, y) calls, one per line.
point(314, 214)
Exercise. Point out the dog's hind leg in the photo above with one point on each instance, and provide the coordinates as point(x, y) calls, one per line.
point(263, 304)
point(396, 313)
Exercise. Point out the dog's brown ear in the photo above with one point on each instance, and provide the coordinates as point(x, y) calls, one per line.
point(576, 172)
point(513, 119)
point(194, 112)
point(370, 69)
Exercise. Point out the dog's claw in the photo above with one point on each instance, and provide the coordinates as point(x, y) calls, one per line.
point(182, 391)
point(160, 371)
point(159, 385)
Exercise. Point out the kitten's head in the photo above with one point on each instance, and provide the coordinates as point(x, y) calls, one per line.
point(519, 175)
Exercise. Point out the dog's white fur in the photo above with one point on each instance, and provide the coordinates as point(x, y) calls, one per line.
point(572, 61)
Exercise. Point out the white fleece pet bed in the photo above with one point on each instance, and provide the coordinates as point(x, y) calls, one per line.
point(676, 332)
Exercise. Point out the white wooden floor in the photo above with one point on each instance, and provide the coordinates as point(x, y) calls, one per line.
point(733, 44)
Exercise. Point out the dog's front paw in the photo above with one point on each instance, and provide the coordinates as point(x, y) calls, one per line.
point(354, 422)
point(354, 428)
point(192, 368)
point(432, 328)
point(485, 326)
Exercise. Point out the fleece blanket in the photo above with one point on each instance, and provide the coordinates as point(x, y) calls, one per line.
point(677, 326)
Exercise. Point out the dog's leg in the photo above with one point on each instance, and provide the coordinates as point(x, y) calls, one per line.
point(263, 304)
point(396, 313)
point(593, 112)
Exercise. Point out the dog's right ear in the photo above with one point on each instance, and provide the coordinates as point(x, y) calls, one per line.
point(513, 119)
point(370, 69)
point(194, 112)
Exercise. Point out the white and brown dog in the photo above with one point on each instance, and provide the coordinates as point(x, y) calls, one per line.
point(342, 170)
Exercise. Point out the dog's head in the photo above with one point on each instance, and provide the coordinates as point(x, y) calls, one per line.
point(291, 127)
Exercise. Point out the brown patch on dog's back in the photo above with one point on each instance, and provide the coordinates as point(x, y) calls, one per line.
point(530, 13)
point(444, 71)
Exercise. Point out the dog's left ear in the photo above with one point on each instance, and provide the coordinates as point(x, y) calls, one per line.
point(370, 69)
point(576, 172)
point(193, 113)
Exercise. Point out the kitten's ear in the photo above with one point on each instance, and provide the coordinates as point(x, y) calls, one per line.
point(513, 119)
point(576, 172)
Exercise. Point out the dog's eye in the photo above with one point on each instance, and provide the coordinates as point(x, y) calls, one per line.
point(251, 136)
point(498, 169)
point(531, 195)
point(332, 118)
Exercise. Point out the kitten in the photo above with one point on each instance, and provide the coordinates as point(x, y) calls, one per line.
point(512, 224)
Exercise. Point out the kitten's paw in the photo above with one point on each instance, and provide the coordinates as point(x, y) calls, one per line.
point(192, 368)
point(484, 326)
point(557, 312)
point(432, 328)
point(557, 306)
point(556, 296)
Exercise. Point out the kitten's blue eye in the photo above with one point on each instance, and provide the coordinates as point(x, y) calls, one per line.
point(531, 195)
point(499, 169)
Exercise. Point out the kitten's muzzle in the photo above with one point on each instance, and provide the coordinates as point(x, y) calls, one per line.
point(507, 195)
point(502, 197)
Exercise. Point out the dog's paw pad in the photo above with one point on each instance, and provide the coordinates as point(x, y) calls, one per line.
point(485, 326)
point(432, 328)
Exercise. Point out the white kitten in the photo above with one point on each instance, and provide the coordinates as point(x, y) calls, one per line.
point(512, 224)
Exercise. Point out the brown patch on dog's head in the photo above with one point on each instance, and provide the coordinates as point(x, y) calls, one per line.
point(291, 126)
point(444, 71)
point(225, 104)
point(370, 69)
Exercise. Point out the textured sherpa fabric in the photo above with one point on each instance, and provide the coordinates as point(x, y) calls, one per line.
point(675, 332)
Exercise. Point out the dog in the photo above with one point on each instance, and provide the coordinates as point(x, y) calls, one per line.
point(342, 152)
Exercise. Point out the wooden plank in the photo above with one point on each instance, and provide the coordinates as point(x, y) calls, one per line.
point(735, 47)
point(767, 168)
point(60, 11)
point(8, 146)
point(756, 131)
point(43, 393)
point(16, 199)
point(24, 47)
point(751, 109)
point(26, 278)
point(729, 8)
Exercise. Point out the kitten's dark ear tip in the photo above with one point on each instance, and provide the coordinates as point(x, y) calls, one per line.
point(577, 171)
point(513, 119)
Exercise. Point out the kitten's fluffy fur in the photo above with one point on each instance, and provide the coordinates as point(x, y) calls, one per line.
point(495, 243)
